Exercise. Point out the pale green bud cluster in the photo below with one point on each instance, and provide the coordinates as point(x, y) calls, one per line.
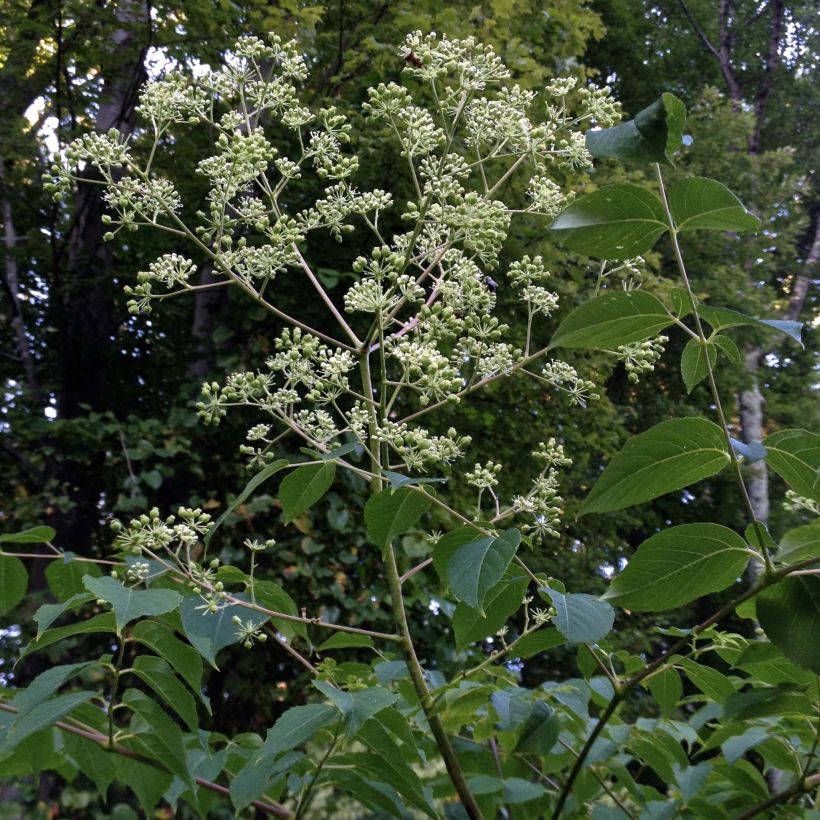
point(640, 357)
point(419, 449)
point(155, 534)
point(484, 476)
point(565, 378)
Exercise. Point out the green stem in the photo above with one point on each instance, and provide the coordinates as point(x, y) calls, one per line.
point(305, 799)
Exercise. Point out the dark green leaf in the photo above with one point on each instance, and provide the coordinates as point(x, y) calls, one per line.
point(712, 683)
point(357, 706)
point(795, 456)
point(297, 726)
point(304, 487)
point(99, 623)
point(669, 456)
point(39, 717)
point(391, 513)
point(537, 642)
point(183, 658)
point(789, 613)
point(260, 478)
point(46, 684)
point(130, 603)
point(147, 782)
point(48, 613)
point(693, 362)
point(667, 689)
point(92, 760)
point(157, 674)
point(613, 319)
point(616, 222)
point(33, 535)
point(65, 575)
point(540, 732)
point(698, 203)
point(654, 135)
point(346, 640)
point(729, 349)
point(766, 663)
point(679, 565)
point(800, 543)
point(13, 583)
point(581, 618)
point(273, 597)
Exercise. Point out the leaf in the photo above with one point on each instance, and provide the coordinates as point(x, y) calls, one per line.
point(679, 565)
point(159, 676)
point(255, 778)
point(766, 663)
point(302, 488)
point(795, 456)
point(357, 706)
point(209, 632)
point(33, 535)
point(800, 543)
point(581, 618)
point(273, 597)
point(130, 603)
point(389, 514)
point(616, 222)
point(99, 623)
point(789, 613)
point(502, 601)
point(537, 642)
point(540, 732)
point(400, 480)
point(297, 726)
point(473, 567)
point(347, 640)
point(65, 575)
point(147, 782)
point(728, 348)
point(260, 478)
point(720, 318)
point(712, 683)
point(653, 135)
point(612, 319)
point(183, 658)
point(41, 716)
point(92, 760)
point(46, 684)
point(697, 203)
point(667, 689)
point(669, 456)
point(13, 583)
point(693, 362)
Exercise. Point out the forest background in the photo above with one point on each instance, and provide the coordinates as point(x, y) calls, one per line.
point(97, 417)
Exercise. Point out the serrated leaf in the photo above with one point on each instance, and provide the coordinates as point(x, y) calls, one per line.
point(800, 543)
point(789, 613)
point(671, 455)
point(260, 478)
point(357, 706)
point(693, 362)
point(33, 535)
point(41, 716)
point(581, 618)
point(303, 487)
point(720, 318)
point(297, 726)
point(65, 575)
point(679, 565)
point(130, 603)
point(667, 689)
point(13, 583)
point(698, 203)
point(653, 135)
point(612, 319)
point(540, 732)
point(616, 222)
point(347, 640)
point(185, 660)
point(795, 456)
point(389, 514)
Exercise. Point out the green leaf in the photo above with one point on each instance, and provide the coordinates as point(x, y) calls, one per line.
point(13, 583)
point(693, 362)
point(669, 456)
point(501, 601)
point(130, 603)
point(667, 689)
point(653, 135)
point(297, 726)
point(472, 567)
point(697, 203)
point(616, 222)
point(540, 732)
point(302, 488)
point(536, 642)
point(260, 478)
point(41, 716)
point(800, 543)
point(273, 597)
point(65, 575)
point(789, 613)
point(147, 782)
point(766, 663)
point(209, 632)
point(728, 348)
point(183, 658)
point(401, 480)
point(347, 640)
point(157, 674)
point(679, 565)
point(612, 319)
point(257, 776)
point(389, 514)
point(795, 456)
point(720, 318)
point(46, 684)
point(33, 535)
point(92, 760)
point(712, 683)
point(99, 623)
point(581, 618)
point(358, 706)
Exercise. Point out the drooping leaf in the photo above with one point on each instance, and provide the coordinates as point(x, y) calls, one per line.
point(540, 732)
point(669, 456)
point(795, 456)
point(46, 684)
point(159, 676)
point(389, 514)
point(260, 478)
point(693, 362)
point(99, 623)
point(297, 726)
point(185, 660)
point(654, 135)
point(616, 222)
point(612, 319)
point(13, 583)
point(41, 716)
point(130, 603)
point(581, 618)
point(800, 543)
point(698, 203)
point(92, 760)
point(33, 535)
point(303, 487)
point(679, 565)
point(789, 613)
point(256, 777)
point(720, 318)
point(65, 575)
point(357, 706)
point(147, 782)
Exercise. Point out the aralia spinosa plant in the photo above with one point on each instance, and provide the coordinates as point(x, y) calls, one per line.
point(414, 333)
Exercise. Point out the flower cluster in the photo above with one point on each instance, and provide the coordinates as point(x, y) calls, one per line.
point(640, 357)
